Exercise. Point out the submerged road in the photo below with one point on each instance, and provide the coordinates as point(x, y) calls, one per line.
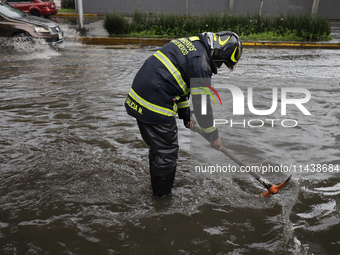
point(74, 170)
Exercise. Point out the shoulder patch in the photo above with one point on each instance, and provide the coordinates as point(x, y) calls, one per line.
point(194, 38)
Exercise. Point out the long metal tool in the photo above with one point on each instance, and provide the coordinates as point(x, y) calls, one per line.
point(271, 188)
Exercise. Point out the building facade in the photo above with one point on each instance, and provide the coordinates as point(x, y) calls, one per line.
point(324, 8)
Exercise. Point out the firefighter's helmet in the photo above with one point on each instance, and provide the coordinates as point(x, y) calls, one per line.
point(226, 46)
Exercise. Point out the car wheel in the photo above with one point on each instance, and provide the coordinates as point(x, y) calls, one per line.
point(21, 41)
point(35, 12)
point(23, 37)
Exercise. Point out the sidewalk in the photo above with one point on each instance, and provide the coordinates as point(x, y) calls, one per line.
point(96, 35)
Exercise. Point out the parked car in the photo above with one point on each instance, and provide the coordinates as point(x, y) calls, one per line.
point(34, 7)
point(15, 23)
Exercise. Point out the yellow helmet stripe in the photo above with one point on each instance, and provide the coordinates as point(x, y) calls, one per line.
point(233, 55)
point(223, 42)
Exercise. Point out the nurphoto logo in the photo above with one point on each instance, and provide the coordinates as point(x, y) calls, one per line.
point(238, 98)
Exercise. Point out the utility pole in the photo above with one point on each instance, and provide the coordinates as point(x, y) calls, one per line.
point(259, 18)
point(315, 8)
point(81, 14)
point(231, 6)
point(187, 8)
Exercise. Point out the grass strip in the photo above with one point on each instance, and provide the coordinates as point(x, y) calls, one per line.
point(284, 27)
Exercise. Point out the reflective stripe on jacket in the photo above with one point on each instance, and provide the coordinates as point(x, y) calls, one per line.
point(161, 87)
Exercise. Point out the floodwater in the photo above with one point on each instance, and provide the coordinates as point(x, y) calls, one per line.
point(74, 169)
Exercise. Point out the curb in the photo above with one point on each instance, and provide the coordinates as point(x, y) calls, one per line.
point(122, 40)
point(162, 41)
point(72, 14)
point(305, 45)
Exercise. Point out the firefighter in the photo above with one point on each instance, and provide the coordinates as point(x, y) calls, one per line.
point(161, 89)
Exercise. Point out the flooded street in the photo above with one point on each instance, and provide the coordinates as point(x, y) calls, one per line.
point(74, 169)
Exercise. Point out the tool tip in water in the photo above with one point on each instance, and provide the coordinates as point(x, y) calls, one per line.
point(275, 188)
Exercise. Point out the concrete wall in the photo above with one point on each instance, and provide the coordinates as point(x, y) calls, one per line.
point(326, 8)
point(156, 6)
point(274, 7)
point(329, 8)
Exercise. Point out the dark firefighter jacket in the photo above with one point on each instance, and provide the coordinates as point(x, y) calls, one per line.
point(161, 88)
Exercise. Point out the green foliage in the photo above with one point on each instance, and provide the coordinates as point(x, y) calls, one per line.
point(66, 10)
point(305, 26)
point(271, 36)
point(68, 4)
point(115, 23)
point(286, 27)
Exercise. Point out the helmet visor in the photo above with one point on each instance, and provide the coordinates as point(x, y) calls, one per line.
point(231, 67)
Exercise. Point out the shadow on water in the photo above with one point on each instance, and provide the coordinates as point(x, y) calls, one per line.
point(74, 169)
